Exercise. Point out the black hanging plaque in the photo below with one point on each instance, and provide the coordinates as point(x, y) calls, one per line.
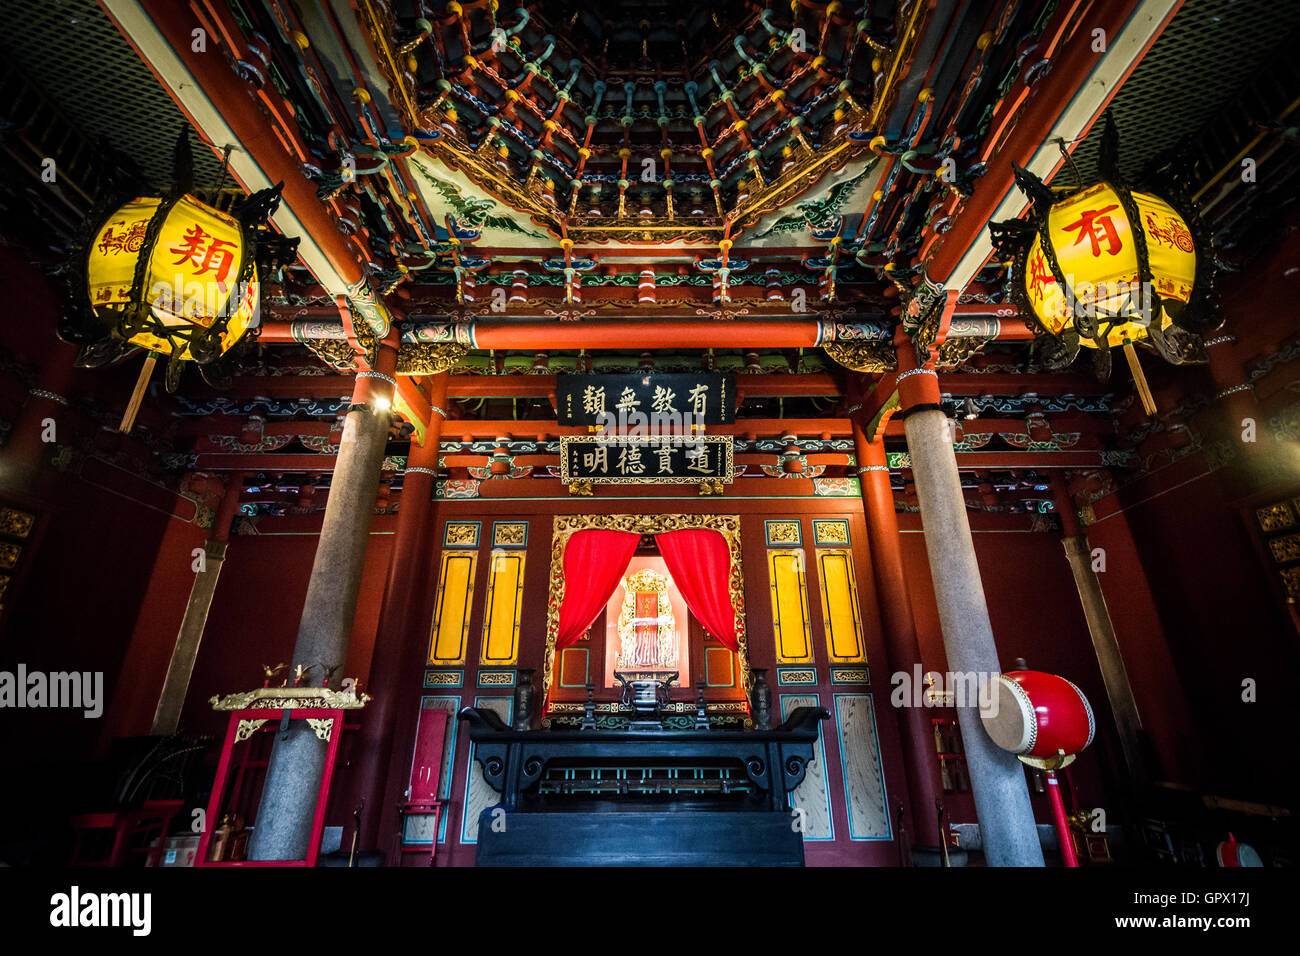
point(675, 460)
point(618, 401)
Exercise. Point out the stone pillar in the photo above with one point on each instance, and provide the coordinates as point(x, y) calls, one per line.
point(284, 817)
point(1119, 692)
point(1002, 805)
point(171, 701)
point(904, 653)
point(398, 656)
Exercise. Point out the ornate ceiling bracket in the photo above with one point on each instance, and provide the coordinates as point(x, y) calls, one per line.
point(870, 358)
point(927, 315)
point(429, 359)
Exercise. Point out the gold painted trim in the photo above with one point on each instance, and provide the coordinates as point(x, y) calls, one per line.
point(870, 358)
point(322, 727)
point(246, 729)
point(427, 358)
point(290, 698)
point(560, 708)
point(850, 675)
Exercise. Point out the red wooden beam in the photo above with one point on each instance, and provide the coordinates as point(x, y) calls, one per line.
point(1020, 128)
point(966, 461)
point(757, 385)
point(264, 141)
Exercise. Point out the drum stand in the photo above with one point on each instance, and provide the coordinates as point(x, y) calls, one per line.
point(1049, 766)
point(1063, 835)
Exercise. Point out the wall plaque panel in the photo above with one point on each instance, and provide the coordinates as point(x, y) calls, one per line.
point(631, 460)
point(840, 608)
point(478, 792)
point(789, 607)
point(864, 775)
point(451, 615)
point(708, 397)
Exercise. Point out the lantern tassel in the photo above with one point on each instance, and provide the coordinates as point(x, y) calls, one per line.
point(137, 396)
point(1139, 379)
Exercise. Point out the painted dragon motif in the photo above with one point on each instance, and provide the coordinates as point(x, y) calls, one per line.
point(472, 213)
point(818, 214)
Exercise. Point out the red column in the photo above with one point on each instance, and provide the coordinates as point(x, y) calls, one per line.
point(229, 505)
point(46, 400)
point(1235, 394)
point(399, 642)
point(901, 646)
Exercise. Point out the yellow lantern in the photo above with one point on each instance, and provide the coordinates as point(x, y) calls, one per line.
point(175, 277)
point(1096, 251)
point(1105, 266)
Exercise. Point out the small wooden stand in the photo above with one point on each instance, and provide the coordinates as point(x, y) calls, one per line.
point(321, 707)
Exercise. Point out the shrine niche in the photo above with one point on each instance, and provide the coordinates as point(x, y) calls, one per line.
point(647, 626)
point(678, 610)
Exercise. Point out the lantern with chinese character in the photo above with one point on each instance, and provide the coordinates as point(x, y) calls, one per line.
point(173, 276)
point(1105, 266)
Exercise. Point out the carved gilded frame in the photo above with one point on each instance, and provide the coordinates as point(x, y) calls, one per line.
point(568, 525)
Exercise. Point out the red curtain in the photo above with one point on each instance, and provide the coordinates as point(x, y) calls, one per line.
point(594, 562)
point(700, 564)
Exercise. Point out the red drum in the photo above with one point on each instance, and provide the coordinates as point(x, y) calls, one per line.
point(1230, 853)
point(1037, 715)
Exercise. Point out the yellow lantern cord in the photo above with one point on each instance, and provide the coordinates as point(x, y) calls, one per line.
point(1140, 379)
point(137, 396)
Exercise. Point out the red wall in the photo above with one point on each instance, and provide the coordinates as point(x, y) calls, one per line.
point(1190, 594)
point(154, 636)
point(1218, 624)
point(254, 616)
